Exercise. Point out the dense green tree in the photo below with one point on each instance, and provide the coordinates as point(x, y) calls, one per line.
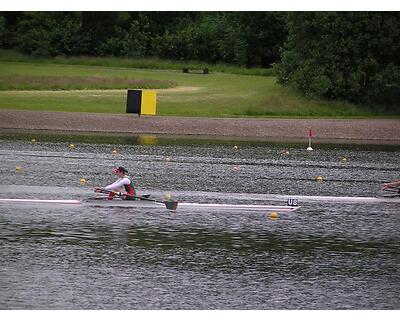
point(39, 33)
point(97, 28)
point(264, 34)
point(10, 20)
point(343, 55)
point(33, 33)
point(245, 38)
point(65, 33)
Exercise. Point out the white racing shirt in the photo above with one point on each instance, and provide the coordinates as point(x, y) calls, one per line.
point(118, 185)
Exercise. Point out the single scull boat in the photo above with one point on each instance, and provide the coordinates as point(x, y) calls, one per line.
point(102, 202)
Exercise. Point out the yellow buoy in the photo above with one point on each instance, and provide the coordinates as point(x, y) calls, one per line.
point(71, 146)
point(274, 215)
point(18, 169)
point(236, 147)
point(287, 152)
point(33, 140)
point(319, 178)
point(235, 168)
point(114, 151)
point(82, 181)
point(343, 159)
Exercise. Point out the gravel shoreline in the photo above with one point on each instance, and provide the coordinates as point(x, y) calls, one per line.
point(365, 131)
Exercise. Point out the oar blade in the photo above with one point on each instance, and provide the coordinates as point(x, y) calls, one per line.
point(393, 190)
point(171, 205)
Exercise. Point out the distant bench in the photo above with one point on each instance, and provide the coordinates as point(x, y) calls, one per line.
point(196, 70)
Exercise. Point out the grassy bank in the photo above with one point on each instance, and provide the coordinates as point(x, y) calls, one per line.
point(213, 95)
point(19, 82)
point(142, 63)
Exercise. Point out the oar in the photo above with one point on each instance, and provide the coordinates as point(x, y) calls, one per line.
point(393, 189)
point(391, 192)
point(169, 204)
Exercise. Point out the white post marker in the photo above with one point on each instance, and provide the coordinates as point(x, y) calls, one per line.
point(310, 136)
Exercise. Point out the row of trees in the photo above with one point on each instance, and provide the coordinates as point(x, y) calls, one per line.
point(243, 38)
point(337, 55)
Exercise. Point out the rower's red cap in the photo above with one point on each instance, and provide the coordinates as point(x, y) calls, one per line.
point(120, 169)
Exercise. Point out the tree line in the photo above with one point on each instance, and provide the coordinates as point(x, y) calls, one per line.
point(228, 37)
point(353, 56)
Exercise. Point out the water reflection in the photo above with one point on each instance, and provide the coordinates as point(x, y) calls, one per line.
point(147, 140)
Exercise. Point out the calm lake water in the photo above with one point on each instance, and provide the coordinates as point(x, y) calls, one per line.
point(323, 256)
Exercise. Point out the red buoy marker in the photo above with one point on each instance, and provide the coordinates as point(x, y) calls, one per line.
point(310, 135)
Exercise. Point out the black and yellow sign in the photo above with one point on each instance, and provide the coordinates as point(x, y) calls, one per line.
point(141, 102)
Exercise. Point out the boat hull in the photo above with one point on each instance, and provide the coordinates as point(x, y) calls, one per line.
point(239, 207)
point(150, 204)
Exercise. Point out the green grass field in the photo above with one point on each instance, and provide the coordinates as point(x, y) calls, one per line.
point(139, 63)
point(36, 85)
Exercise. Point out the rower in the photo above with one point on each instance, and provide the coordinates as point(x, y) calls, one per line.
point(123, 186)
